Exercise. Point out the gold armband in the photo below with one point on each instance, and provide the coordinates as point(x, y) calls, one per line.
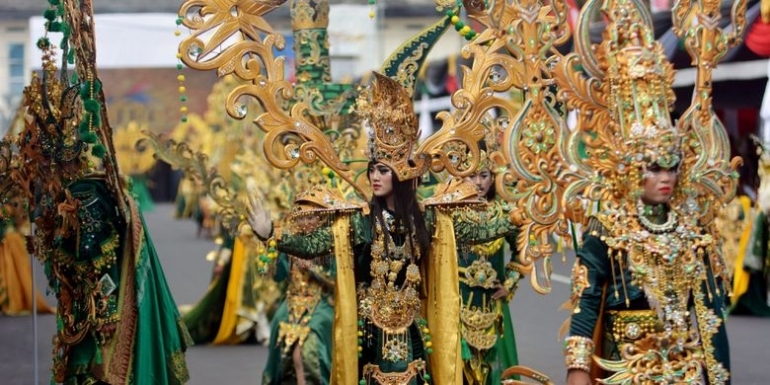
point(578, 353)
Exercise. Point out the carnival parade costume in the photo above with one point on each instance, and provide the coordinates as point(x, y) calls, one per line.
point(649, 284)
point(394, 336)
point(302, 324)
point(488, 342)
point(229, 312)
point(116, 320)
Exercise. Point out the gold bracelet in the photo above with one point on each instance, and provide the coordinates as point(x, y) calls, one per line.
point(578, 353)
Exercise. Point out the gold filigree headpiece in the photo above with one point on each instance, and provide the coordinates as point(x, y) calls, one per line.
point(639, 77)
point(386, 108)
point(630, 126)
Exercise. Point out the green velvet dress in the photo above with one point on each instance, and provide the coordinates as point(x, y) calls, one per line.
point(374, 340)
point(109, 273)
point(607, 289)
point(755, 300)
point(305, 317)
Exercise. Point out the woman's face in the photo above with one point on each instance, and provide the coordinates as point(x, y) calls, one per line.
point(659, 184)
point(483, 181)
point(381, 179)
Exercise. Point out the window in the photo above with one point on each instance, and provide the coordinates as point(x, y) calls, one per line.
point(15, 68)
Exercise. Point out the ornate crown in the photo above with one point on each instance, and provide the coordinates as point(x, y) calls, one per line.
point(386, 108)
point(640, 95)
point(630, 125)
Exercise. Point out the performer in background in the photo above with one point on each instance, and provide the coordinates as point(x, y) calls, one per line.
point(301, 329)
point(16, 296)
point(752, 271)
point(487, 285)
point(116, 320)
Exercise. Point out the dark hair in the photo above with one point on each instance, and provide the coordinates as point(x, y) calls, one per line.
point(492, 192)
point(406, 211)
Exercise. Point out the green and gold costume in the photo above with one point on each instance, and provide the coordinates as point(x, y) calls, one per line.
point(304, 321)
point(108, 273)
point(394, 337)
point(488, 339)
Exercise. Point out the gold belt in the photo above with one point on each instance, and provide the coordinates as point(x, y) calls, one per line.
point(626, 326)
point(414, 368)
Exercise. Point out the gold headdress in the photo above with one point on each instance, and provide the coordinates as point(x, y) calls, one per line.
point(623, 115)
point(387, 109)
point(133, 160)
point(635, 128)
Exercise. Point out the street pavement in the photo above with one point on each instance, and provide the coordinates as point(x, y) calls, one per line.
point(536, 318)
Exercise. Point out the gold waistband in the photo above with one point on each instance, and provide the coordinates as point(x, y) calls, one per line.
point(414, 369)
point(630, 325)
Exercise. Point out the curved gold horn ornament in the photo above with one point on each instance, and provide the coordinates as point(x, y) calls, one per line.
point(195, 164)
point(516, 51)
point(243, 43)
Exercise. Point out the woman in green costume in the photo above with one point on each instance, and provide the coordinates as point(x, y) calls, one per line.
point(487, 285)
point(301, 329)
point(649, 285)
point(405, 302)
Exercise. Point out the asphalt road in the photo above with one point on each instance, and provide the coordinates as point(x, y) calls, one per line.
point(536, 319)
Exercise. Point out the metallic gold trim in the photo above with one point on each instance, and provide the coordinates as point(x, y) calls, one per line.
point(578, 353)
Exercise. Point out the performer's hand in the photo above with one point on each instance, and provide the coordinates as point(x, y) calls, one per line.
point(500, 293)
point(258, 215)
point(578, 377)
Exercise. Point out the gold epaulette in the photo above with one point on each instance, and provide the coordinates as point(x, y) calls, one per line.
point(598, 225)
point(453, 193)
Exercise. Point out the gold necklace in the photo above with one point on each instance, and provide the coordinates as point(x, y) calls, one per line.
point(391, 307)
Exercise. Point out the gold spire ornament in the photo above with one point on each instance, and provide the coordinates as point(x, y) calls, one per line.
point(516, 52)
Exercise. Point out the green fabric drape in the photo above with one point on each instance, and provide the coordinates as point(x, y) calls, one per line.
point(161, 337)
